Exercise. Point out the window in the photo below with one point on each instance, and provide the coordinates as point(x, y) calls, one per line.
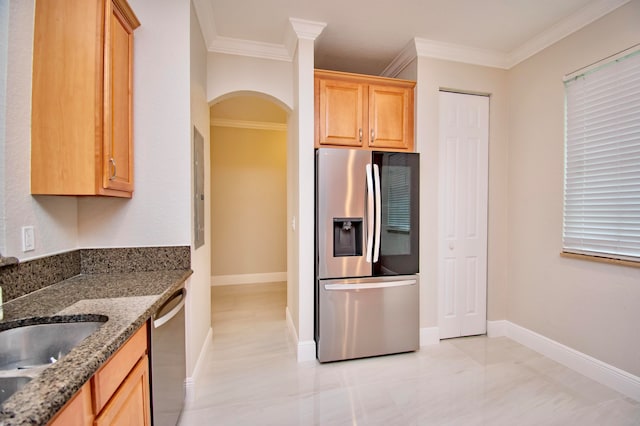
point(602, 160)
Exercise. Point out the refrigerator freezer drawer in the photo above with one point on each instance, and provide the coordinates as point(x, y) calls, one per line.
point(367, 317)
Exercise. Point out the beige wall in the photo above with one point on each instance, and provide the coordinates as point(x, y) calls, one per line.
point(591, 307)
point(249, 201)
point(431, 76)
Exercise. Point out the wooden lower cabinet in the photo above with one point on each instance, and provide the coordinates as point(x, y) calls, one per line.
point(130, 404)
point(78, 411)
point(117, 394)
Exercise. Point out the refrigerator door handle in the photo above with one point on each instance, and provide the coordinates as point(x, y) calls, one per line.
point(370, 219)
point(367, 286)
point(376, 247)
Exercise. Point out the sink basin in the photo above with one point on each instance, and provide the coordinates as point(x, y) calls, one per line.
point(10, 385)
point(37, 345)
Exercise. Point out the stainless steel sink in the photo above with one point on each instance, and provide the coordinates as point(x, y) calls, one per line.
point(10, 385)
point(28, 346)
point(37, 345)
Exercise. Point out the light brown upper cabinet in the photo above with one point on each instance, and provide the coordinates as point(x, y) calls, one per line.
point(82, 111)
point(358, 111)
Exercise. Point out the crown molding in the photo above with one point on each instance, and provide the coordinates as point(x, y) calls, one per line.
point(401, 61)
point(460, 53)
point(562, 29)
point(298, 29)
point(309, 30)
point(257, 49)
point(303, 29)
point(204, 12)
point(244, 124)
point(420, 47)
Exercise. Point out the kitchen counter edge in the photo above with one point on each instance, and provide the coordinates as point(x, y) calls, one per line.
point(128, 299)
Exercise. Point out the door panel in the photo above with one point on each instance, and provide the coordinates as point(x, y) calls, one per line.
point(355, 323)
point(118, 139)
point(341, 113)
point(341, 212)
point(463, 195)
point(390, 113)
point(400, 201)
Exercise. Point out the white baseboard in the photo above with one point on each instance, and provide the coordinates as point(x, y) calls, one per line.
point(267, 277)
point(620, 380)
point(306, 350)
point(290, 326)
point(190, 382)
point(497, 328)
point(429, 336)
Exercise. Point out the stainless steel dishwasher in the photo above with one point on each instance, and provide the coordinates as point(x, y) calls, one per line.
point(168, 360)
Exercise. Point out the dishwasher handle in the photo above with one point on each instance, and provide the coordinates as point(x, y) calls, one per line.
point(159, 322)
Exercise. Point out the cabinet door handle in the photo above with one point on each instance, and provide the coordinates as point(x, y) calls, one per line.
point(360, 134)
point(373, 135)
point(113, 164)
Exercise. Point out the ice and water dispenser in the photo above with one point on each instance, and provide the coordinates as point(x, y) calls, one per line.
point(347, 236)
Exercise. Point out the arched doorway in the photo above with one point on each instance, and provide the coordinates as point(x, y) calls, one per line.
point(248, 218)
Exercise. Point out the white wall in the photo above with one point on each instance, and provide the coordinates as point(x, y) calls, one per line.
point(227, 74)
point(293, 242)
point(588, 306)
point(4, 47)
point(291, 84)
point(198, 320)
point(159, 214)
point(303, 209)
point(54, 218)
point(160, 211)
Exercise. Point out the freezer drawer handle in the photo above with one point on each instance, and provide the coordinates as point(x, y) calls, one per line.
point(159, 322)
point(369, 285)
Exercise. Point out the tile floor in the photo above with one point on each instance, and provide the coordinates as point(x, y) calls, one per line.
point(252, 378)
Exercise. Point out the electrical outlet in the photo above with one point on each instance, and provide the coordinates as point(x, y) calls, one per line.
point(28, 238)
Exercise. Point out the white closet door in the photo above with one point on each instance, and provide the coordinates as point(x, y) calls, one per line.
point(463, 193)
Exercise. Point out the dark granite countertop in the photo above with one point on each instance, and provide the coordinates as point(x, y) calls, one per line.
point(127, 299)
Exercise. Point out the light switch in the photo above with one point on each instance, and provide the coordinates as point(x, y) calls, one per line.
point(28, 238)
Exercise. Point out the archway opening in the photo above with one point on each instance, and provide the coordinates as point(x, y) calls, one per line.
point(248, 217)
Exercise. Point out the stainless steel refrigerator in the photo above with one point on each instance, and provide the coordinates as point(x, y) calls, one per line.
point(367, 253)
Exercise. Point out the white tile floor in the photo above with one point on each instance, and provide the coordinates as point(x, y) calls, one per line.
point(252, 378)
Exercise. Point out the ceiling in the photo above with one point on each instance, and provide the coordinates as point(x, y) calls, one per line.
point(365, 37)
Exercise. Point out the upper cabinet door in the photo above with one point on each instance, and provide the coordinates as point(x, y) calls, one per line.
point(341, 113)
point(118, 101)
point(359, 111)
point(390, 117)
point(81, 107)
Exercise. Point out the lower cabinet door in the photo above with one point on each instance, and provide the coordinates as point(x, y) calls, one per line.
point(130, 404)
point(78, 411)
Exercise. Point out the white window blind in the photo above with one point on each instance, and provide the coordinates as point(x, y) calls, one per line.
point(399, 198)
point(602, 161)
